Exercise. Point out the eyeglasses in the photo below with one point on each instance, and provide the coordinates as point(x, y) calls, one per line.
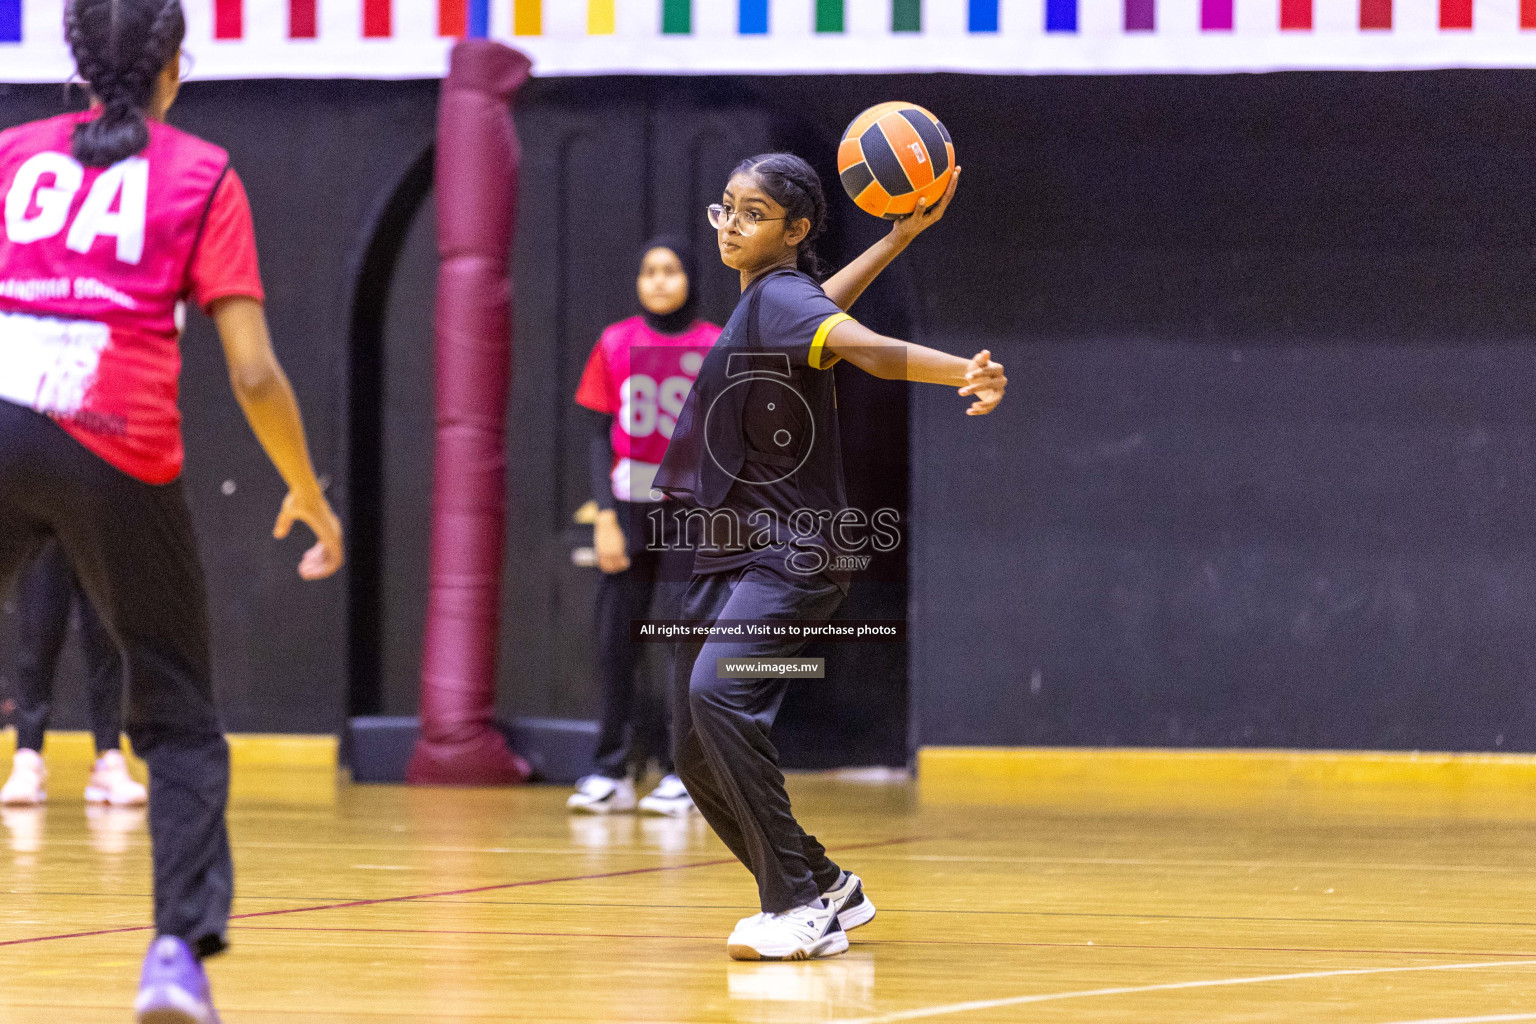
point(746, 220)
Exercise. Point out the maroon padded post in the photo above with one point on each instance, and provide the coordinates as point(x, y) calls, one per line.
point(477, 175)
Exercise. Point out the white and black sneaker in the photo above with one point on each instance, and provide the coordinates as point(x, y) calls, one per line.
point(805, 933)
point(598, 794)
point(669, 799)
point(853, 908)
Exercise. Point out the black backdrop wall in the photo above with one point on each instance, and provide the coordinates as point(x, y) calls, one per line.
point(1262, 478)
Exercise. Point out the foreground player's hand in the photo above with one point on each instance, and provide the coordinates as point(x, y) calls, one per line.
point(313, 511)
point(986, 381)
point(926, 215)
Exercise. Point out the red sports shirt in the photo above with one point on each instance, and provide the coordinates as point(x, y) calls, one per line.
point(641, 378)
point(95, 264)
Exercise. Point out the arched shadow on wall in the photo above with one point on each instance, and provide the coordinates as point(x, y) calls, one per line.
point(365, 462)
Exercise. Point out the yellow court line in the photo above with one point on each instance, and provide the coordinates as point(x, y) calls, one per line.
point(1175, 986)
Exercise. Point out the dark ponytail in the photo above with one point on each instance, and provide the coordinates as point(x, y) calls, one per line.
point(120, 48)
point(794, 185)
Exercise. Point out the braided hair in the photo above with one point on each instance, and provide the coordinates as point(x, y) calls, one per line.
point(120, 48)
point(794, 185)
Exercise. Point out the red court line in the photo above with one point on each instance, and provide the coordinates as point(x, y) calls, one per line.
point(351, 904)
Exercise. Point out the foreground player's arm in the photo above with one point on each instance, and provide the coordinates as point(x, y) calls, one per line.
point(845, 286)
point(893, 359)
point(266, 398)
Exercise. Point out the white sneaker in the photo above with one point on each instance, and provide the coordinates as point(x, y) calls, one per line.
point(28, 782)
point(670, 798)
point(805, 933)
point(111, 784)
point(598, 794)
point(852, 906)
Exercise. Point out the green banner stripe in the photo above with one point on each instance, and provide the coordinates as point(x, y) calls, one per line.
point(906, 15)
point(829, 16)
point(677, 17)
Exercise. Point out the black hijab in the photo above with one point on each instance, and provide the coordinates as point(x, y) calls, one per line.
point(681, 318)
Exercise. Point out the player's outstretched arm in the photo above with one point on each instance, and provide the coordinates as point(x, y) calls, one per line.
point(893, 359)
point(845, 286)
point(266, 398)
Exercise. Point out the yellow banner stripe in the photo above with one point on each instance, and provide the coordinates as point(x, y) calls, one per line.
point(600, 18)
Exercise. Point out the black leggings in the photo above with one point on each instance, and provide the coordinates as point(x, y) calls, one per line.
point(48, 590)
point(631, 716)
point(132, 545)
point(721, 729)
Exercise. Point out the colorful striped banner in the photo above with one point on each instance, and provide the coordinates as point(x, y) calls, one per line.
point(1216, 15)
point(1140, 15)
point(677, 17)
point(527, 17)
point(1296, 15)
point(829, 16)
point(302, 20)
point(1376, 14)
point(602, 19)
point(378, 19)
point(10, 21)
point(228, 19)
point(1061, 15)
point(984, 16)
point(906, 15)
point(1455, 14)
point(752, 18)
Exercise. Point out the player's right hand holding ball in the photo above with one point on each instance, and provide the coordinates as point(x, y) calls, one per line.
point(987, 383)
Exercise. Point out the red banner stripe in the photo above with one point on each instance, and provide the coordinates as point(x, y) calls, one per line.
point(228, 19)
point(453, 18)
point(1376, 14)
point(302, 21)
point(1455, 14)
point(1528, 13)
point(378, 19)
point(1296, 15)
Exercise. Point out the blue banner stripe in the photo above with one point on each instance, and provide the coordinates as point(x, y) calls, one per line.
point(10, 21)
point(1061, 15)
point(479, 19)
point(753, 18)
point(984, 15)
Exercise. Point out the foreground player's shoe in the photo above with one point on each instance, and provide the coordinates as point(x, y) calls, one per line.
point(804, 933)
point(111, 784)
point(598, 794)
point(670, 798)
point(173, 988)
point(853, 908)
point(28, 782)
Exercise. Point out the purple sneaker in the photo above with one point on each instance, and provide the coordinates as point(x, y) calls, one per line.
point(173, 988)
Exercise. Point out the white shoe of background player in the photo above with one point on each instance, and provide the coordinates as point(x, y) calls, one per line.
point(670, 799)
point(28, 782)
point(598, 794)
point(111, 784)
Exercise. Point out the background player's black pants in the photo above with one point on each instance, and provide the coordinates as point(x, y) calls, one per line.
point(48, 590)
point(633, 718)
point(721, 726)
point(131, 544)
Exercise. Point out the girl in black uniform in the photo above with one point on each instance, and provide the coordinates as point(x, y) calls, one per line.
point(756, 455)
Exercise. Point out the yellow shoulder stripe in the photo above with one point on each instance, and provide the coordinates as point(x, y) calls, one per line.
point(821, 339)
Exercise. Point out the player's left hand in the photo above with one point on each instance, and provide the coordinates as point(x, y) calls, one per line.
point(926, 215)
point(314, 511)
point(987, 383)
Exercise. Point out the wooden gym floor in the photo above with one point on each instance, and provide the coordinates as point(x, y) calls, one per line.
point(384, 904)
